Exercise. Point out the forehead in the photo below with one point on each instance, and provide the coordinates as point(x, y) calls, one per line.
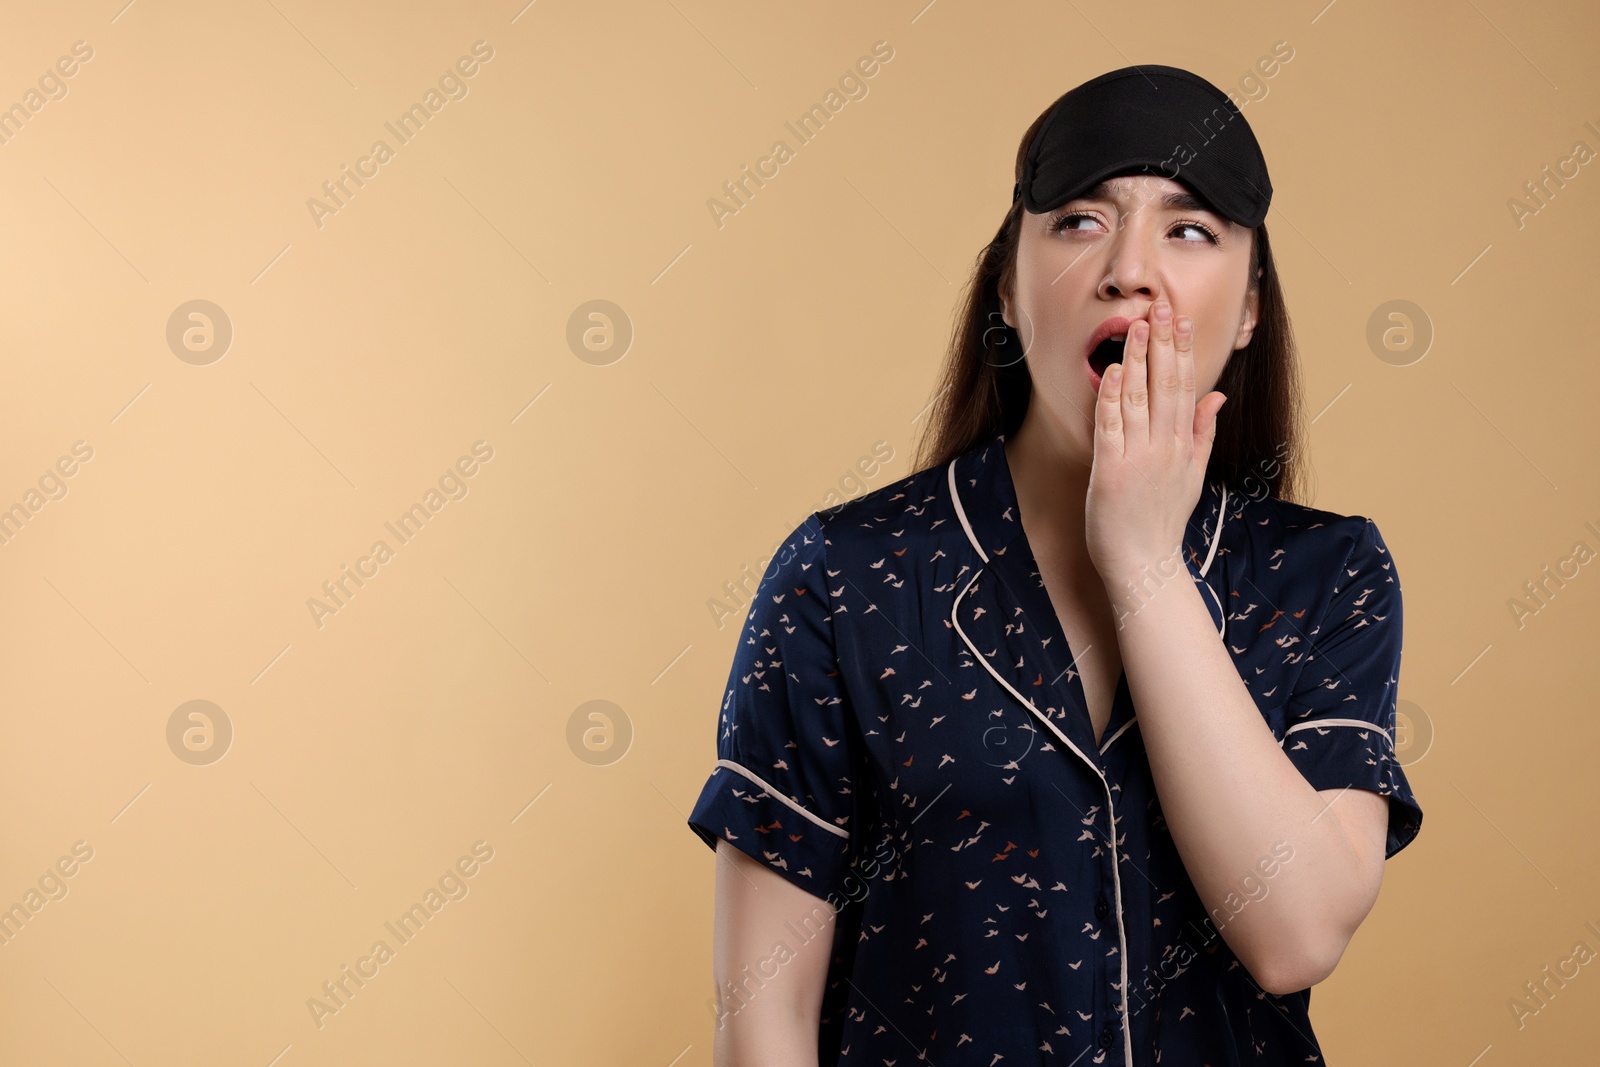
point(1154, 190)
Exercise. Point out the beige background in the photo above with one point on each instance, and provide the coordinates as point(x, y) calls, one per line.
point(768, 356)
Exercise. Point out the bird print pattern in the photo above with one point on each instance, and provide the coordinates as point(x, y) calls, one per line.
point(904, 736)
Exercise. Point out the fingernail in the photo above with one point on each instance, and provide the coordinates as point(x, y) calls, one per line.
point(1163, 311)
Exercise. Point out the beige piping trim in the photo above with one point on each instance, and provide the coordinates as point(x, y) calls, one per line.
point(1216, 535)
point(961, 513)
point(1120, 731)
point(778, 795)
point(1116, 874)
point(1211, 553)
point(1357, 723)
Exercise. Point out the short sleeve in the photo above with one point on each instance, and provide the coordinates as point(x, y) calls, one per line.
point(1341, 724)
point(782, 789)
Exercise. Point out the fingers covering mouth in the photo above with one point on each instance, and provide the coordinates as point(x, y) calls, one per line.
point(1106, 353)
point(1105, 344)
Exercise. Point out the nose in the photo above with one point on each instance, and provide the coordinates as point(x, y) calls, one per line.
point(1130, 268)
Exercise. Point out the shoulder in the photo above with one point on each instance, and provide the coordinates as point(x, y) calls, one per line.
point(1283, 525)
point(1302, 551)
point(913, 510)
point(910, 511)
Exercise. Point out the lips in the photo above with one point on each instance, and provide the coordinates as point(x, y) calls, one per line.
point(1106, 345)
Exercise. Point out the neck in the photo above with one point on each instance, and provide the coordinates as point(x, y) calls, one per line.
point(1052, 484)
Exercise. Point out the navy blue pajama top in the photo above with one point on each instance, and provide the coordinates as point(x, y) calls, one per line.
point(904, 737)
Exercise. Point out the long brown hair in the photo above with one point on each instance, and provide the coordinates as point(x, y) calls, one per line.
point(985, 385)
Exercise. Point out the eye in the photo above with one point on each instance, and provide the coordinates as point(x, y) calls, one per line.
point(1066, 220)
point(1210, 234)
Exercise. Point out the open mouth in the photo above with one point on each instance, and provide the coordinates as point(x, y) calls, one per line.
point(1106, 353)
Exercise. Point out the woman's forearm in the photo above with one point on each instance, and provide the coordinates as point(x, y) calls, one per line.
point(1232, 797)
point(769, 979)
point(769, 1039)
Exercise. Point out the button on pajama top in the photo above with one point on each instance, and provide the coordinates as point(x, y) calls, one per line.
point(904, 736)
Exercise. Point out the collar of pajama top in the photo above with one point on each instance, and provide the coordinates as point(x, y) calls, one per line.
point(904, 736)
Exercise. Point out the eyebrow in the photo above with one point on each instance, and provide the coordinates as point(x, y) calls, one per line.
point(1183, 200)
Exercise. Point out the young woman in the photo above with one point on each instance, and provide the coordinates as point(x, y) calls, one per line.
point(1077, 745)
